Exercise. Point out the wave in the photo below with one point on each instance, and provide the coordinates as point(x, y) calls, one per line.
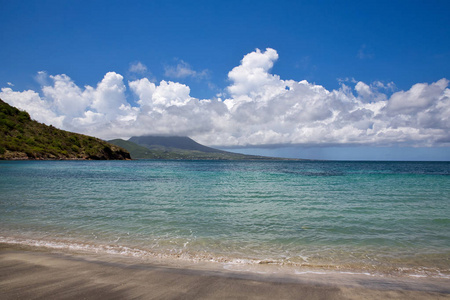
point(236, 264)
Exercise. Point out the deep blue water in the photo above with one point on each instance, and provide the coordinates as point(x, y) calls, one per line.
point(379, 217)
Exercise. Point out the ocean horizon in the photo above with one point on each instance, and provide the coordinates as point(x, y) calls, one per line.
point(362, 217)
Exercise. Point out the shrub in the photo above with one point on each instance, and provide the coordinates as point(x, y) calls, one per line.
point(23, 116)
point(75, 141)
point(8, 123)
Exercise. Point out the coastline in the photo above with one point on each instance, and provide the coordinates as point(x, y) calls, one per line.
point(29, 272)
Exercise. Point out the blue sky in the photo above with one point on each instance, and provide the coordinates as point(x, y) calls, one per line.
point(81, 65)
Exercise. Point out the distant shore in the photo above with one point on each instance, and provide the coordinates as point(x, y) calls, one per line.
point(32, 272)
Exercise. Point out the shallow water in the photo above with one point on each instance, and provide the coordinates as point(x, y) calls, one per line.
point(367, 217)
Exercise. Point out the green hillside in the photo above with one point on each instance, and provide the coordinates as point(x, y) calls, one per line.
point(175, 147)
point(23, 138)
point(136, 151)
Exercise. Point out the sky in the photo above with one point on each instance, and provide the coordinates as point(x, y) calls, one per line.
point(364, 80)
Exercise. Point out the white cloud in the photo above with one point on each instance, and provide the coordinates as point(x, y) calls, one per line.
point(251, 79)
point(138, 67)
point(182, 70)
point(109, 95)
point(419, 98)
point(67, 98)
point(9, 83)
point(42, 78)
point(261, 109)
point(371, 93)
point(144, 89)
point(31, 102)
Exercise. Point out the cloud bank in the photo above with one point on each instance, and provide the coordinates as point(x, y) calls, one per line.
point(259, 108)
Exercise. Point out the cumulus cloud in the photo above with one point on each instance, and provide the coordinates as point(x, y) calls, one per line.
point(261, 109)
point(421, 97)
point(183, 70)
point(66, 97)
point(30, 101)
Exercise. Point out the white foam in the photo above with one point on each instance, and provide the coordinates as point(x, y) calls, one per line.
point(263, 266)
point(296, 272)
point(357, 273)
point(122, 250)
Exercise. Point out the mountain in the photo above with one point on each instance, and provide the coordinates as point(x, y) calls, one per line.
point(177, 147)
point(172, 142)
point(23, 138)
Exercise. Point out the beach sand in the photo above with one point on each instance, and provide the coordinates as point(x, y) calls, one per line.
point(36, 273)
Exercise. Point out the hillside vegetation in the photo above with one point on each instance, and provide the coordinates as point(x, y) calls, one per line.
point(23, 138)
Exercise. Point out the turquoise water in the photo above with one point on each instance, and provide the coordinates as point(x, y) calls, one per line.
point(374, 217)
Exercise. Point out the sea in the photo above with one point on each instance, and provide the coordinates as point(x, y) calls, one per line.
point(373, 218)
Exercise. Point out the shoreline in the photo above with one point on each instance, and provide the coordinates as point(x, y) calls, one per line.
point(29, 272)
point(231, 263)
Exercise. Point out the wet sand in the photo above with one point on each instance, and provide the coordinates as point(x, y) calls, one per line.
point(34, 273)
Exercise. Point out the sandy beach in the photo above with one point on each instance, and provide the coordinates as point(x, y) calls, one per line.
point(37, 273)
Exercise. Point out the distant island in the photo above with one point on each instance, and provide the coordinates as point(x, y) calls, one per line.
point(23, 138)
point(178, 147)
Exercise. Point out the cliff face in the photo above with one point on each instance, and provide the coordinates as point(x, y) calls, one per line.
point(23, 138)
